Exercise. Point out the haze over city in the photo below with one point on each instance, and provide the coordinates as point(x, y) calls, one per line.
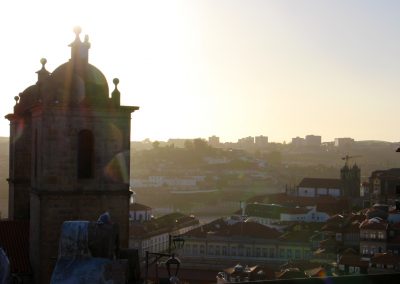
point(229, 68)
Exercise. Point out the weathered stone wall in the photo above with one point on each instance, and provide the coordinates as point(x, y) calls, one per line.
point(58, 148)
point(59, 195)
point(20, 167)
point(55, 208)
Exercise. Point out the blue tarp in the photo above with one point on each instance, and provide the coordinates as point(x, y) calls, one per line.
point(80, 271)
point(4, 268)
point(74, 264)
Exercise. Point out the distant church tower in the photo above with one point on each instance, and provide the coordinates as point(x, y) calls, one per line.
point(69, 154)
point(351, 180)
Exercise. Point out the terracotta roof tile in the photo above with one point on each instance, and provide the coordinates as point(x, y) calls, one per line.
point(290, 273)
point(353, 260)
point(385, 258)
point(320, 183)
point(244, 229)
point(374, 224)
point(328, 204)
point(139, 207)
point(316, 272)
point(250, 229)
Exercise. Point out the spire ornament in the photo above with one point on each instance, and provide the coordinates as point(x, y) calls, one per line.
point(116, 95)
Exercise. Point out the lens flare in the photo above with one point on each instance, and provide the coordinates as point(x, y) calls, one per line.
point(117, 168)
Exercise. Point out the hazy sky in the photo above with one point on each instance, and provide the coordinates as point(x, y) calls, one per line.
point(229, 68)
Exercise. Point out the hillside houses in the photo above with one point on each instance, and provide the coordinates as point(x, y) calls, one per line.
point(154, 234)
point(269, 214)
point(312, 187)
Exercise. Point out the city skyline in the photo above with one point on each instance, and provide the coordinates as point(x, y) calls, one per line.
point(229, 68)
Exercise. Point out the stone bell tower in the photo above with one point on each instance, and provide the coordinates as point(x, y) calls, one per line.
point(69, 154)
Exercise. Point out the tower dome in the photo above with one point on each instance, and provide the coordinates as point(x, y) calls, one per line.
point(77, 81)
point(69, 85)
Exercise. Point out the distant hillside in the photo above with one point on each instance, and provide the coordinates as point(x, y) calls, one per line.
point(297, 163)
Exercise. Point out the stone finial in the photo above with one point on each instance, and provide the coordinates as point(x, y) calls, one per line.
point(77, 31)
point(86, 42)
point(116, 82)
point(115, 95)
point(43, 61)
point(16, 99)
point(42, 73)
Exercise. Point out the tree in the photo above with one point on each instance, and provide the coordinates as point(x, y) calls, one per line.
point(274, 158)
point(156, 145)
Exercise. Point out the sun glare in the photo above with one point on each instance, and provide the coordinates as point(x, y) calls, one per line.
point(230, 68)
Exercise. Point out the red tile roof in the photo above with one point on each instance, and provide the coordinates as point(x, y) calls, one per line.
point(14, 239)
point(139, 207)
point(297, 236)
point(268, 271)
point(291, 273)
point(354, 227)
point(187, 275)
point(385, 258)
point(161, 225)
point(374, 224)
point(243, 229)
point(328, 204)
point(349, 251)
point(295, 210)
point(353, 260)
point(316, 272)
point(320, 183)
point(250, 229)
point(300, 264)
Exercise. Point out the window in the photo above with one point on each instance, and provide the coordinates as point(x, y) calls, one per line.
point(271, 252)
point(258, 252)
point(210, 250)
point(201, 249)
point(233, 251)
point(282, 253)
point(187, 249)
point(265, 252)
point(224, 250)
point(248, 251)
point(85, 154)
point(381, 235)
point(297, 253)
point(364, 235)
point(289, 253)
point(217, 250)
point(240, 251)
point(195, 249)
point(397, 189)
